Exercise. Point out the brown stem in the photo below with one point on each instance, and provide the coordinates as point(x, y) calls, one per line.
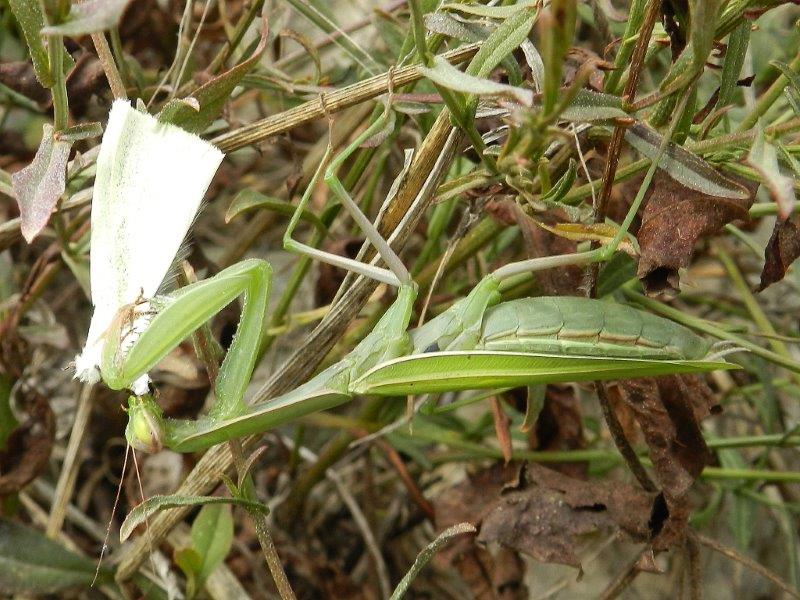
point(615, 146)
point(621, 442)
point(747, 562)
point(260, 522)
point(109, 66)
point(693, 560)
point(623, 580)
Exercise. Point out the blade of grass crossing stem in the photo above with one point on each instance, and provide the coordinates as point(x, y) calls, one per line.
point(426, 554)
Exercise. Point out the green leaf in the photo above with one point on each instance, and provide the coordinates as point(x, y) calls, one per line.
point(563, 185)
point(249, 199)
point(734, 59)
point(82, 131)
point(741, 513)
point(684, 166)
point(466, 31)
point(212, 536)
point(34, 564)
point(89, 16)
point(704, 27)
point(792, 90)
point(38, 186)
point(213, 95)
point(503, 41)
point(589, 106)
point(191, 563)
point(30, 17)
point(557, 30)
point(448, 76)
point(152, 505)
point(533, 406)
point(491, 12)
point(463, 31)
point(428, 553)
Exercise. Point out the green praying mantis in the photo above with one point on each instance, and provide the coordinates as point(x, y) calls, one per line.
point(480, 342)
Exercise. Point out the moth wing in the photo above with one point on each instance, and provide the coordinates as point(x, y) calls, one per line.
point(151, 178)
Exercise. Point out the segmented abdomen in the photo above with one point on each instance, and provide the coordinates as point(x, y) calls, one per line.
point(581, 326)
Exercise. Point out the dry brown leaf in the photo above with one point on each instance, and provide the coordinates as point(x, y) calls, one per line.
point(781, 251)
point(488, 576)
point(547, 514)
point(674, 219)
point(502, 429)
point(668, 410)
point(28, 447)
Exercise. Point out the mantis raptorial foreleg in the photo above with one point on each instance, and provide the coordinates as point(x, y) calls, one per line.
point(180, 314)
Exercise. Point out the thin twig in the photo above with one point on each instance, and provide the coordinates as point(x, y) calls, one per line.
point(623, 580)
point(621, 442)
point(747, 562)
point(693, 560)
point(615, 146)
point(259, 520)
point(335, 101)
point(69, 470)
point(109, 66)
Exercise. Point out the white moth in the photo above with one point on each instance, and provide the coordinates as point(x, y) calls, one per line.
point(151, 178)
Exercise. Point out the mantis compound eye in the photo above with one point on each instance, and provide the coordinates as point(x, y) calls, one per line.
point(145, 429)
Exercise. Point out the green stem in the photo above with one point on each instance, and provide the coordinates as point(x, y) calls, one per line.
point(241, 28)
point(709, 328)
point(419, 33)
point(59, 88)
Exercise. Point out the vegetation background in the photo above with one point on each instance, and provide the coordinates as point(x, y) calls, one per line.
point(710, 507)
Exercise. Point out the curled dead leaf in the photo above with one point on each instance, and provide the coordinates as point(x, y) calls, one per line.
point(781, 251)
point(489, 576)
point(674, 219)
point(668, 410)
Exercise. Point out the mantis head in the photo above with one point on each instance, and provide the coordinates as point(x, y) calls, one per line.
point(145, 430)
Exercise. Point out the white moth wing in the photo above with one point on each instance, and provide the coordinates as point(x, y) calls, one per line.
point(151, 178)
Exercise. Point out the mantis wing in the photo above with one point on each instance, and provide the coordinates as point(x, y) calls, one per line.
point(481, 369)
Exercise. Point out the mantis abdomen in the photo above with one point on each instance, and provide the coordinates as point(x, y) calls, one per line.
point(581, 326)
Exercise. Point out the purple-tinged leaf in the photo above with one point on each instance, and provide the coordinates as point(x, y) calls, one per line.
point(38, 186)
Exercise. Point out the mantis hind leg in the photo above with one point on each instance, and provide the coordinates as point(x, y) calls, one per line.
point(187, 309)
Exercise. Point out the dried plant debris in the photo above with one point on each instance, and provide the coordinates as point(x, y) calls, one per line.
point(668, 410)
point(26, 451)
point(674, 220)
point(545, 514)
point(781, 251)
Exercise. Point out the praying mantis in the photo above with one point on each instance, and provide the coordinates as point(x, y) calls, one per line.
point(480, 342)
